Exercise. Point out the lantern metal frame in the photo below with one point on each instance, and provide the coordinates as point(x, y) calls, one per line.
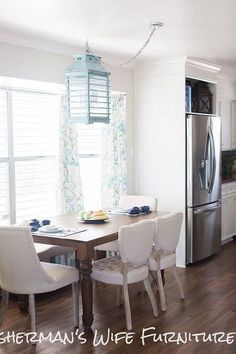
point(88, 90)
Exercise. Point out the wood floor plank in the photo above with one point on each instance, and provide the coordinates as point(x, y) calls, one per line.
point(209, 306)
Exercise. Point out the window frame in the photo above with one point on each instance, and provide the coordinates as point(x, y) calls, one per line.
point(11, 159)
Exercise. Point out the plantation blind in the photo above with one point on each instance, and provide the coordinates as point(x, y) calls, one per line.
point(35, 144)
point(4, 189)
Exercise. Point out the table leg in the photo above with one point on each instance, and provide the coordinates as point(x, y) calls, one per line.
point(23, 303)
point(86, 292)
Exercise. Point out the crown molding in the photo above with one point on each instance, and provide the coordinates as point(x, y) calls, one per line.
point(203, 65)
point(186, 60)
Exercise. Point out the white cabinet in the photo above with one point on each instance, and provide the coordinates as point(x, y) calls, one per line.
point(228, 217)
point(231, 217)
point(227, 111)
point(228, 226)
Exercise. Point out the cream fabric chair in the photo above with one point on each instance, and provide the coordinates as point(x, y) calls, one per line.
point(128, 201)
point(163, 256)
point(21, 272)
point(135, 245)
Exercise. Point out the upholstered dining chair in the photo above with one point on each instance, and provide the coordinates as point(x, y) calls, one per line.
point(21, 272)
point(163, 256)
point(130, 266)
point(128, 201)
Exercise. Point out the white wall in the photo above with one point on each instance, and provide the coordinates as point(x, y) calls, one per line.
point(160, 137)
point(32, 64)
point(226, 87)
point(226, 92)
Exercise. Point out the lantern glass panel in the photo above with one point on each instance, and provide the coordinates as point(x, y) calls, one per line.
point(99, 97)
point(88, 91)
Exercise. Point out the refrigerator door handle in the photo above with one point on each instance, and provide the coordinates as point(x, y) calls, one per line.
point(203, 210)
point(212, 160)
point(207, 164)
point(202, 173)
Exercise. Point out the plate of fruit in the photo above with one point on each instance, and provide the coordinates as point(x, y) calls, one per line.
point(93, 217)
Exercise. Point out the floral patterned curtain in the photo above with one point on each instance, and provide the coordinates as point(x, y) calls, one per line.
point(114, 170)
point(71, 190)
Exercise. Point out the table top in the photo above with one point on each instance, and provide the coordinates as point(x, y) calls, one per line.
point(95, 234)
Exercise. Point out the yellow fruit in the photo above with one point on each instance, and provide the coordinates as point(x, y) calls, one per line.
point(98, 217)
point(98, 213)
point(93, 215)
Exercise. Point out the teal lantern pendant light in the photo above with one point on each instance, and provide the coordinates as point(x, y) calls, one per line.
point(88, 90)
point(88, 85)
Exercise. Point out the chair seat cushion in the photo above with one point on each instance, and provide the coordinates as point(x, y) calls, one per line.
point(61, 276)
point(108, 246)
point(109, 271)
point(166, 261)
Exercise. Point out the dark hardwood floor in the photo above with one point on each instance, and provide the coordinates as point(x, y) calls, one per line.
point(209, 306)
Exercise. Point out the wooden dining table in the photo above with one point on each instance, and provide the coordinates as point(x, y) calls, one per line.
point(84, 242)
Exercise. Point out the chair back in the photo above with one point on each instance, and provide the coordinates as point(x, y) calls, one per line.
point(167, 231)
point(135, 241)
point(129, 201)
point(20, 269)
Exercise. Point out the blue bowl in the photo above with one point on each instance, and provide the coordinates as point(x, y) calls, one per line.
point(34, 222)
point(46, 222)
point(34, 228)
point(145, 209)
point(134, 211)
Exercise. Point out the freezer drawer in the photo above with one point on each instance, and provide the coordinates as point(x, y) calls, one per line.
point(203, 231)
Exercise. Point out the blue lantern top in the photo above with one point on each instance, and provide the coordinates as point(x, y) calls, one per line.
point(86, 62)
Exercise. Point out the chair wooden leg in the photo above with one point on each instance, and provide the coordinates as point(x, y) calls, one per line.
point(32, 312)
point(151, 296)
point(127, 307)
point(118, 295)
point(161, 291)
point(178, 282)
point(153, 277)
point(75, 299)
point(5, 300)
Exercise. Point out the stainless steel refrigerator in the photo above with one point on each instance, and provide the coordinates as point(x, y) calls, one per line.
point(203, 186)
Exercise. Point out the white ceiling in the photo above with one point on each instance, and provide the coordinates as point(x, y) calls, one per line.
point(197, 28)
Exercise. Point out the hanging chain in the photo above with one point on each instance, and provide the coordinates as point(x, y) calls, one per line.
point(154, 26)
